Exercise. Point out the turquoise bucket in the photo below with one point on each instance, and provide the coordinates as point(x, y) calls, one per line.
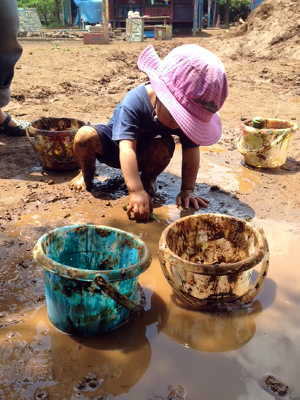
point(90, 275)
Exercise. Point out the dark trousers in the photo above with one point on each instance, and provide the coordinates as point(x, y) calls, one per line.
point(10, 49)
point(153, 156)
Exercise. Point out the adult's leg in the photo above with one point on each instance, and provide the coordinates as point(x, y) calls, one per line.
point(10, 52)
point(153, 159)
point(87, 147)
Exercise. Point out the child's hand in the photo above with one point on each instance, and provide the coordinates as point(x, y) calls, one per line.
point(140, 206)
point(185, 199)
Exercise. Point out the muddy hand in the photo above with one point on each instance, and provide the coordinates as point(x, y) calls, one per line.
point(186, 199)
point(140, 206)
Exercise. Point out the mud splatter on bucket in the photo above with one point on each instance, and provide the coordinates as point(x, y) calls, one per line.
point(208, 259)
point(52, 140)
point(90, 277)
point(264, 143)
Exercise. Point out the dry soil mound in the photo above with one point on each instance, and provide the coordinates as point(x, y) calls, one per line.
point(271, 30)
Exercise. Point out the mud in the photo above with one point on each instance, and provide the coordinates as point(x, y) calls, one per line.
point(57, 124)
point(275, 387)
point(141, 360)
point(169, 352)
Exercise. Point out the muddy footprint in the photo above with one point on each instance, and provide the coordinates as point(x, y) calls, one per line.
point(276, 388)
point(176, 392)
point(40, 394)
point(89, 383)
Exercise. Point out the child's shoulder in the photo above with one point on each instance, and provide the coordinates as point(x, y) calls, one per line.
point(136, 98)
point(137, 92)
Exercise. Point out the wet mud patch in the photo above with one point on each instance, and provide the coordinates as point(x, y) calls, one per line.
point(24, 368)
point(175, 392)
point(110, 185)
point(41, 394)
point(220, 201)
point(275, 387)
point(89, 383)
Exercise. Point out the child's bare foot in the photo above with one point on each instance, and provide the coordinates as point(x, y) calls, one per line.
point(78, 184)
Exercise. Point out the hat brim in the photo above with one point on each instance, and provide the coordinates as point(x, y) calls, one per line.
point(200, 132)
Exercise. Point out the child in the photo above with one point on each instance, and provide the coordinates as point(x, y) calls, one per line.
point(185, 91)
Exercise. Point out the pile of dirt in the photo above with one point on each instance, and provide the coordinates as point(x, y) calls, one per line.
point(272, 30)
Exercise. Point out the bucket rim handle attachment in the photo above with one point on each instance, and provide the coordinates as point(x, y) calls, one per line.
point(256, 286)
point(114, 294)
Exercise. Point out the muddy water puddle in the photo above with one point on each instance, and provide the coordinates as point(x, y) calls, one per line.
point(195, 355)
point(169, 353)
point(232, 177)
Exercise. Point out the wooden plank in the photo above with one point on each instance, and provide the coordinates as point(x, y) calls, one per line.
point(95, 38)
point(105, 19)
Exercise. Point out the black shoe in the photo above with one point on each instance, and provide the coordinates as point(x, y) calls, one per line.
point(19, 130)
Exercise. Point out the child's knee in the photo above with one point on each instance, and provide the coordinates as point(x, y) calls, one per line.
point(86, 137)
point(157, 155)
point(163, 147)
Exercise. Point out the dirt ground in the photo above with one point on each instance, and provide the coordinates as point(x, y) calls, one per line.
point(169, 353)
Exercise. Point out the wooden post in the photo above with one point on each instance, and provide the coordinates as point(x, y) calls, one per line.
point(105, 9)
point(195, 18)
point(198, 15)
point(209, 13)
point(227, 13)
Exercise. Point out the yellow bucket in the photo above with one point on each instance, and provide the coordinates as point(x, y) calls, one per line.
point(264, 142)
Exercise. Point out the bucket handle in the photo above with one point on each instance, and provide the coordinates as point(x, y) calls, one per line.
point(114, 294)
point(246, 298)
point(28, 136)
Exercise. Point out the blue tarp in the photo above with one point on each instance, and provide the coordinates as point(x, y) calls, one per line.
point(255, 3)
point(89, 11)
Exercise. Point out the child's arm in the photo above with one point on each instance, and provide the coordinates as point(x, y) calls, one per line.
point(140, 206)
point(190, 167)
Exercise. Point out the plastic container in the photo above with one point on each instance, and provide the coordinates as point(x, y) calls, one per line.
point(264, 143)
point(149, 34)
point(209, 260)
point(52, 139)
point(91, 277)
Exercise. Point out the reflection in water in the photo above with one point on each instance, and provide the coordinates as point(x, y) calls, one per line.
point(42, 357)
point(210, 332)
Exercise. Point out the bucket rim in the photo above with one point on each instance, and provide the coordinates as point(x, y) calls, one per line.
point(32, 130)
point(220, 268)
point(70, 272)
point(291, 129)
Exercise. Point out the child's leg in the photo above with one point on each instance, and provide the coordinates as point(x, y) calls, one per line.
point(87, 146)
point(153, 159)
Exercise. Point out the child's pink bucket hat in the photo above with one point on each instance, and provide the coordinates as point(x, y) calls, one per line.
point(191, 83)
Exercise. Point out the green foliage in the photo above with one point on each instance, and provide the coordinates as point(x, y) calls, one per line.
point(48, 10)
point(235, 3)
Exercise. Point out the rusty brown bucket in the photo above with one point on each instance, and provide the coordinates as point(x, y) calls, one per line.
point(212, 260)
point(52, 139)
